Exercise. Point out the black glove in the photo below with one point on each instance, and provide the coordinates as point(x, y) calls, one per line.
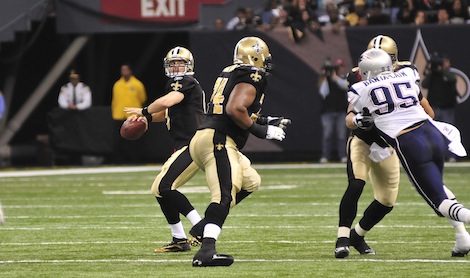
point(363, 120)
point(275, 121)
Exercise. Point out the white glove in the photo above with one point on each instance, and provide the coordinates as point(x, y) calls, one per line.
point(363, 121)
point(279, 121)
point(276, 133)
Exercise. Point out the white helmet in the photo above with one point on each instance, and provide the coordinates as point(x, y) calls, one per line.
point(374, 62)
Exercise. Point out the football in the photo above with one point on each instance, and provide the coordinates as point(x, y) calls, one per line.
point(132, 130)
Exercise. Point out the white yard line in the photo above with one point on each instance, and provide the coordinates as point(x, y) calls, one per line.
point(349, 260)
point(155, 168)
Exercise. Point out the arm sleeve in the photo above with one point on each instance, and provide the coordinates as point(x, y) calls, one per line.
point(324, 88)
point(62, 100)
point(86, 103)
point(342, 83)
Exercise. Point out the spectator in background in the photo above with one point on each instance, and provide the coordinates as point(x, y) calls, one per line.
point(459, 12)
point(406, 13)
point(300, 17)
point(443, 17)
point(128, 91)
point(219, 24)
point(442, 90)
point(377, 17)
point(358, 10)
point(252, 21)
point(74, 95)
point(332, 18)
point(333, 89)
point(420, 18)
point(237, 22)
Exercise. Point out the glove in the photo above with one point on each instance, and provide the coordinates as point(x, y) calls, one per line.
point(275, 121)
point(275, 132)
point(279, 121)
point(363, 120)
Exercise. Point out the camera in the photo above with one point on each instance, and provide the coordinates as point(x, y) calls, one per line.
point(329, 68)
point(435, 63)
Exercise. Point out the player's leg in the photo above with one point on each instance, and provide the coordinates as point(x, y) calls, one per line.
point(462, 238)
point(385, 178)
point(178, 169)
point(422, 154)
point(218, 156)
point(357, 168)
point(251, 179)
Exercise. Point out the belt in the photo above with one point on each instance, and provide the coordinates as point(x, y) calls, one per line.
point(411, 127)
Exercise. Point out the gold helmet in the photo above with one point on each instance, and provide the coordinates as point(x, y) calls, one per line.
point(252, 51)
point(179, 54)
point(387, 44)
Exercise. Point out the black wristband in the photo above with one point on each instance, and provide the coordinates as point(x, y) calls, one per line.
point(258, 130)
point(145, 112)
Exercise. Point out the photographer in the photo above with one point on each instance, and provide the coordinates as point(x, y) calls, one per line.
point(333, 88)
point(442, 89)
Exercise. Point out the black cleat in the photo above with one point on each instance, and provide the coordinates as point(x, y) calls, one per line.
point(205, 258)
point(342, 248)
point(177, 245)
point(360, 244)
point(196, 233)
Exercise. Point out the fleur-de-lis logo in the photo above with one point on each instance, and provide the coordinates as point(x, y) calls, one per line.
point(257, 48)
point(420, 56)
point(256, 76)
point(219, 146)
point(176, 86)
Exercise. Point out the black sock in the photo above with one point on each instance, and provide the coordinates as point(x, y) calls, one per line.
point(373, 214)
point(348, 205)
point(171, 213)
point(241, 195)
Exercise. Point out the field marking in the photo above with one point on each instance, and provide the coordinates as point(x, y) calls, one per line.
point(236, 260)
point(109, 227)
point(154, 168)
point(224, 241)
point(194, 189)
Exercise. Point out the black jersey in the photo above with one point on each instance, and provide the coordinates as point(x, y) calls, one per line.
point(184, 118)
point(217, 117)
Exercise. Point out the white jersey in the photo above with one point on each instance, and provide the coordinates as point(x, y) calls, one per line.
point(393, 100)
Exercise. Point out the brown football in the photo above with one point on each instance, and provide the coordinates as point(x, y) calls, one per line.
point(132, 130)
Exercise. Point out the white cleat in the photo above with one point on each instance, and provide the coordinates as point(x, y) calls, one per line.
point(2, 220)
point(462, 245)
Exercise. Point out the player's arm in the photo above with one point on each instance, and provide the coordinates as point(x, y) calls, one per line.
point(160, 104)
point(159, 116)
point(350, 114)
point(241, 97)
point(427, 107)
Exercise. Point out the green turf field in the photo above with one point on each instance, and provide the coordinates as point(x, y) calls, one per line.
point(106, 225)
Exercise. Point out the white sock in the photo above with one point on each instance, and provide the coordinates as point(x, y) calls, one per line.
point(359, 230)
point(193, 217)
point(455, 211)
point(459, 227)
point(177, 230)
point(344, 231)
point(212, 231)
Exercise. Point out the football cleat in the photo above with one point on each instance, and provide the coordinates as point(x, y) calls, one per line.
point(205, 258)
point(342, 248)
point(360, 244)
point(177, 245)
point(196, 233)
point(462, 245)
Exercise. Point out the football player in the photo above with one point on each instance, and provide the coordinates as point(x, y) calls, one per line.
point(183, 108)
point(393, 102)
point(236, 99)
point(384, 174)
